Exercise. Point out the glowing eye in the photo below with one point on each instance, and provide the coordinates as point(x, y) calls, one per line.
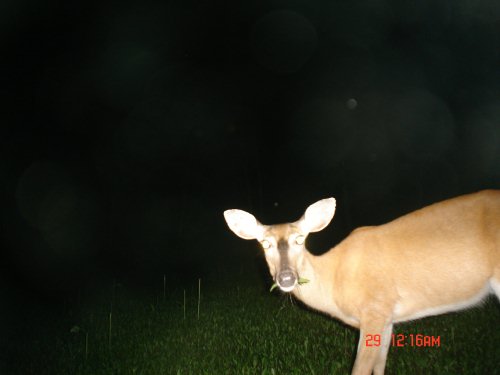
point(299, 240)
point(265, 244)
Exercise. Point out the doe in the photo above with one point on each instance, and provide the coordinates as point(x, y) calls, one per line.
point(442, 258)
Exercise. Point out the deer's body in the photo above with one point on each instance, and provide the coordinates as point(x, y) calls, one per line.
point(437, 259)
point(442, 258)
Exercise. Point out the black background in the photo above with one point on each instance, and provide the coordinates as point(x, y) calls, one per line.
point(127, 128)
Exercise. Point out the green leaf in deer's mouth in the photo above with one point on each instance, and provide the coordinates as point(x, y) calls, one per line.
point(301, 281)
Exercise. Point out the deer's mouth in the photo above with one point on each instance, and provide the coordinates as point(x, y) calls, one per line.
point(287, 280)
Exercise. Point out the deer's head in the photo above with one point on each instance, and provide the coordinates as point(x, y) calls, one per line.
point(283, 244)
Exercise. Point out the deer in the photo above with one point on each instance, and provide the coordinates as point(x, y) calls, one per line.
point(441, 258)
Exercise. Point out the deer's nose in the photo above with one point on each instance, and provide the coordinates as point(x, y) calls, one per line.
point(286, 280)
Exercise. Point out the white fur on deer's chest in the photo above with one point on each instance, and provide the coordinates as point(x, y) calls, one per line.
point(319, 300)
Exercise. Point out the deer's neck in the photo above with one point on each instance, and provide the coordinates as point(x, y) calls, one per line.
point(319, 275)
point(320, 291)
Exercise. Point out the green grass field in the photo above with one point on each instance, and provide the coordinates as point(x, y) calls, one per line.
point(241, 329)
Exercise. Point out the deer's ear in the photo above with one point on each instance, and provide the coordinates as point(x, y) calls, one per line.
point(244, 225)
point(317, 215)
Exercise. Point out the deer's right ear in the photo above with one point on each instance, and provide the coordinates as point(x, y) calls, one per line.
point(244, 225)
point(318, 215)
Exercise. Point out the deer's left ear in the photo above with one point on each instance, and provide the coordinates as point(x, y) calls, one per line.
point(317, 215)
point(244, 225)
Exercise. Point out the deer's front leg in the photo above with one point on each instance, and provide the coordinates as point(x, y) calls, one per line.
point(373, 346)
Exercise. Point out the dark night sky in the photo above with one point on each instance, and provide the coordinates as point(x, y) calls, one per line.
point(128, 127)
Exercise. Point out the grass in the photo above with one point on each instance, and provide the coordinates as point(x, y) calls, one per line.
point(241, 329)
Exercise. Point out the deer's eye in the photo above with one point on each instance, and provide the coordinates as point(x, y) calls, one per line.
point(265, 244)
point(299, 240)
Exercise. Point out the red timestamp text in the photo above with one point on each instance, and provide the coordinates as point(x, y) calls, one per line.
point(401, 340)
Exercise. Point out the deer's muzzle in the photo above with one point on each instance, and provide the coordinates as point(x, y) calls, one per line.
point(286, 280)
